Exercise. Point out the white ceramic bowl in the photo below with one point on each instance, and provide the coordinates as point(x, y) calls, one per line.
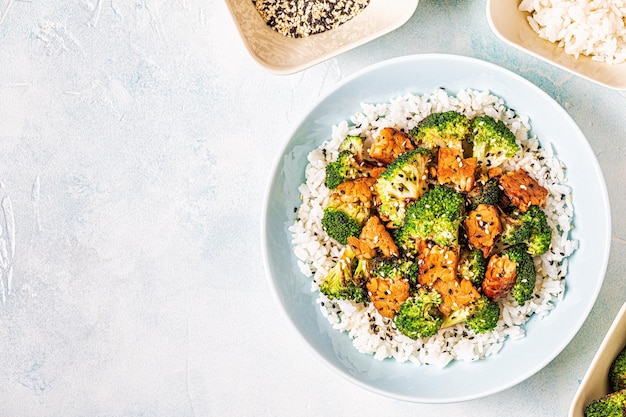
point(595, 384)
point(282, 55)
point(511, 25)
point(545, 338)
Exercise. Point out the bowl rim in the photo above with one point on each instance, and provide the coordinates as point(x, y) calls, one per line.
point(292, 322)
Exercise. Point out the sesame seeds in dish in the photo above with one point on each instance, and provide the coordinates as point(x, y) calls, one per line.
point(302, 18)
point(378, 334)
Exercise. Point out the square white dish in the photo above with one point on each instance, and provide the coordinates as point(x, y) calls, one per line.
point(511, 26)
point(284, 55)
point(595, 383)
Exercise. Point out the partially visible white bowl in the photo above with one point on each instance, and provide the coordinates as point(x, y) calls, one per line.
point(595, 384)
point(511, 25)
point(283, 55)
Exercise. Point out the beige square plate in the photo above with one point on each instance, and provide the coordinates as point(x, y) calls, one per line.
point(595, 384)
point(511, 25)
point(280, 54)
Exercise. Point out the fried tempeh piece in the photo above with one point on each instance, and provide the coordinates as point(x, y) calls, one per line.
point(436, 263)
point(453, 169)
point(500, 277)
point(360, 191)
point(373, 236)
point(456, 294)
point(389, 144)
point(522, 190)
point(483, 226)
point(387, 295)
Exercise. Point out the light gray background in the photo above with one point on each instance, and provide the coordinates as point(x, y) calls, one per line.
point(136, 142)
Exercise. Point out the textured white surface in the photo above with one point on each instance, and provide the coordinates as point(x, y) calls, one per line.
point(136, 141)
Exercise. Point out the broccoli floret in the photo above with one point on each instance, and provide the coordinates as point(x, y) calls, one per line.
point(342, 281)
point(442, 130)
point(611, 405)
point(346, 167)
point(617, 372)
point(515, 229)
point(401, 268)
point(530, 228)
point(346, 213)
point(489, 193)
point(419, 315)
point(480, 316)
point(404, 180)
point(362, 272)
point(472, 266)
point(436, 216)
point(525, 270)
point(485, 315)
point(353, 144)
point(493, 142)
point(340, 225)
point(540, 232)
point(456, 317)
point(405, 241)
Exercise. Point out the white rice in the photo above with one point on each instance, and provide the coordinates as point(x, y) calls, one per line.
point(370, 332)
point(596, 28)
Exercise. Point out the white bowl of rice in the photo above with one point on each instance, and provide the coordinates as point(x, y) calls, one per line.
point(453, 365)
point(285, 37)
point(579, 36)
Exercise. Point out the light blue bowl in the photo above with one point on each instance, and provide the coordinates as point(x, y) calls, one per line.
point(545, 338)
